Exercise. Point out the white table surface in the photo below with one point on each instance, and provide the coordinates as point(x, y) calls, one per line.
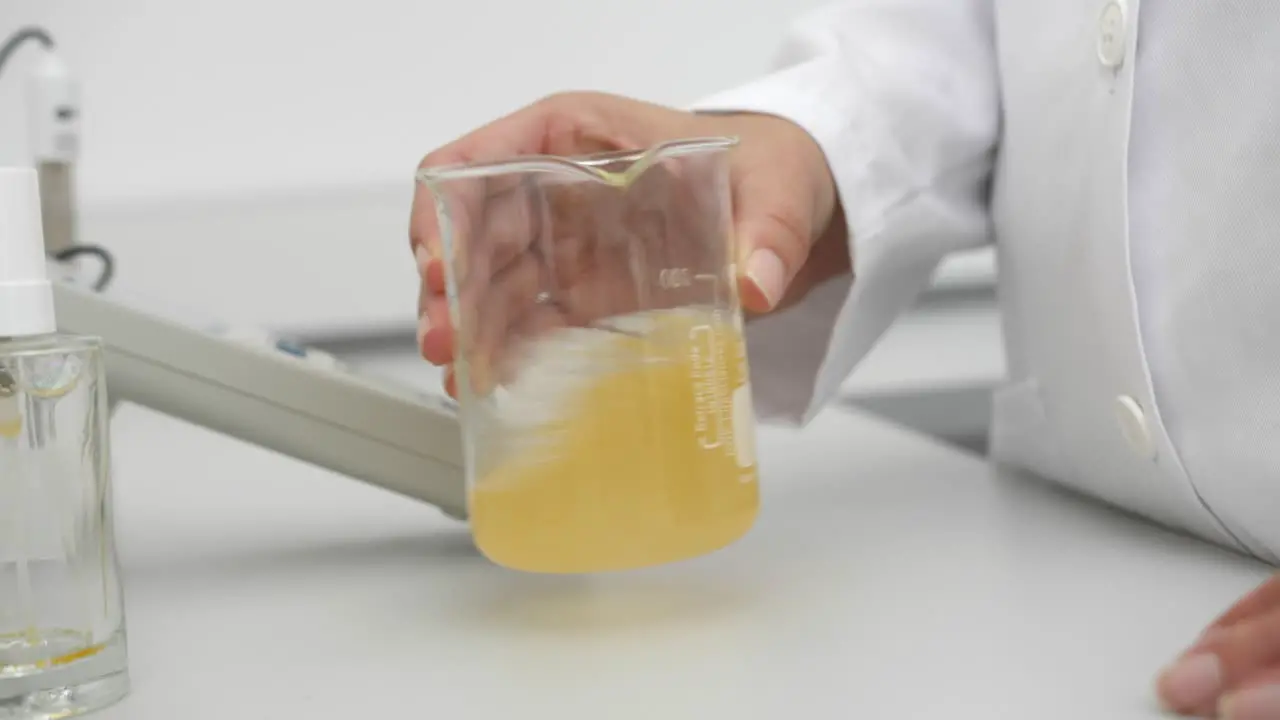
point(888, 577)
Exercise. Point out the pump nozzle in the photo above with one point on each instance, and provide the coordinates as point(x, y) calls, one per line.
point(26, 296)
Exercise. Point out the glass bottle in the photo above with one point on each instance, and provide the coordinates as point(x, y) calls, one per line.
point(62, 629)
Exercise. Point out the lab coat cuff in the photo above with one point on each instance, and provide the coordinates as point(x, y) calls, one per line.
point(795, 93)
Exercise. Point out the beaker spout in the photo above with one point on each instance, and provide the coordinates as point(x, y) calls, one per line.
point(617, 169)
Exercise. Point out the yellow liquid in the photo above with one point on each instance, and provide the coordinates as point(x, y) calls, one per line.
point(66, 646)
point(651, 461)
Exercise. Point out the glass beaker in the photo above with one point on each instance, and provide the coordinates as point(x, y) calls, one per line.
point(62, 630)
point(600, 362)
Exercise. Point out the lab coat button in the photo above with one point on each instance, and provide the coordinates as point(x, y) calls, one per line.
point(1111, 34)
point(1134, 427)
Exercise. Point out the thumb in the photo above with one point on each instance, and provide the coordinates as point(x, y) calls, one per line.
point(774, 231)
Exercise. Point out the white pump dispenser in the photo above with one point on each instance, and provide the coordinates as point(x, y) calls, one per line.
point(26, 295)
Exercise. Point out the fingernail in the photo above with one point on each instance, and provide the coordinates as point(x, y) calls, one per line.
point(766, 271)
point(450, 382)
point(423, 256)
point(1262, 703)
point(1192, 682)
point(424, 326)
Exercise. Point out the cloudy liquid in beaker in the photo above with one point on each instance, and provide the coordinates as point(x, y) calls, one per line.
point(643, 452)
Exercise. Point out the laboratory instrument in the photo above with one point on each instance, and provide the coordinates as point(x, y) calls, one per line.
point(276, 394)
point(600, 361)
point(62, 628)
point(244, 382)
point(54, 128)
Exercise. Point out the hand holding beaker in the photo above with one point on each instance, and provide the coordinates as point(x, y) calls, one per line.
point(783, 199)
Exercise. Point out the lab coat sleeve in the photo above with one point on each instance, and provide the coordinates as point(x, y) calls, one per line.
point(903, 98)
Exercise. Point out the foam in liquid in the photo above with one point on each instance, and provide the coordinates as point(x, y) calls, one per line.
point(622, 451)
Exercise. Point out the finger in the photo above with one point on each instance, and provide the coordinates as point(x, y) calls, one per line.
point(450, 382)
point(681, 213)
point(435, 332)
point(773, 239)
point(573, 219)
point(567, 221)
point(434, 277)
point(485, 219)
point(523, 132)
point(568, 124)
point(563, 124)
point(684, 219)
point(500, 244)
point(427, 295)
point(437, 342)
point(1195, 683)
point(423, 260)
point(494, 242)
point(502, 309)
point(1257, 698)
point(828, 258)
point(542, 319)
point(1263, 598)
point(602, 290)
point(470, 269)
point(612, 249)
point(504, 232)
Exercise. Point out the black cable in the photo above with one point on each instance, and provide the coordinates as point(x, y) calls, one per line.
point(108, 262)
point(11, 45)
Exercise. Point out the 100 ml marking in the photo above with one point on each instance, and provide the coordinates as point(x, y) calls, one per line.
point(712, 412)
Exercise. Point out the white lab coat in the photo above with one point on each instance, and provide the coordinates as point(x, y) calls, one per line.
point(1127, 166)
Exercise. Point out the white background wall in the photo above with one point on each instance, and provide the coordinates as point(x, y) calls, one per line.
point(253, 158)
